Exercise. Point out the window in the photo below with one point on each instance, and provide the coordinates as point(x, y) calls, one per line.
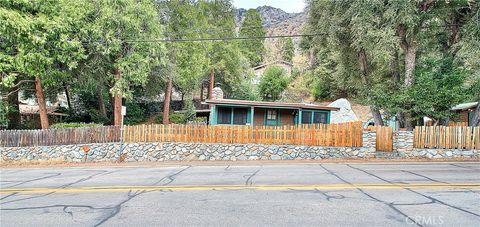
point(320, 118)
point(271, 114)
point(239, 116)
point(224, 115)
point(306, 117)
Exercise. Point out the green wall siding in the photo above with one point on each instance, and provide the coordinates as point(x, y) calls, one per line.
point(214, 114)
point(250, 114)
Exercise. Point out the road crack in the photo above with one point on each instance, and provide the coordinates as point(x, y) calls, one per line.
point(391, 206)
point(250, 177)
point(36, 179)
point(170, 177)
point(418, 193)
point(117, 208)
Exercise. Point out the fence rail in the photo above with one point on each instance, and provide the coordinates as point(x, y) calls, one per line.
point(463, 123)
point(61, 136)
point(338, 135)
point(447, 137)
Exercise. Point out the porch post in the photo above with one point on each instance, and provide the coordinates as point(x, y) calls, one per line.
point(300, 116)
point(213, 115)
point(252, 113)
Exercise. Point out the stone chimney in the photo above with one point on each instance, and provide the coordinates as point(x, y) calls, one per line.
point(217, 92)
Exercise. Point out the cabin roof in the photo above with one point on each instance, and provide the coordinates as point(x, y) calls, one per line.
point(465, 106)
point(269, 104)
point(272, 63)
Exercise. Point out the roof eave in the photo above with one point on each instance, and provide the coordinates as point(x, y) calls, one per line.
point(268, 104)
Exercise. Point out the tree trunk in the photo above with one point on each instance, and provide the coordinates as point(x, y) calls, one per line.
point(212, 83)
point(364, 72)
point(410, 51)
point(42, 107)
point(201, 91)
point(395, 71)
point(476, 116)
point(408, 121)
point(117, 99)
point(67, 94)
point(377, 116)
point(312, 59)
point(166, 101)
point(410, 60)
point(101, 102)
point(395, 68)
point(112, 106)
point(13, 116)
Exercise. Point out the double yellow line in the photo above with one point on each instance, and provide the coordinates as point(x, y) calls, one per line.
point(237, 187)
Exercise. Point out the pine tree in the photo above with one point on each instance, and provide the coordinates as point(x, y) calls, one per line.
point(253, 49)
point(288, 49)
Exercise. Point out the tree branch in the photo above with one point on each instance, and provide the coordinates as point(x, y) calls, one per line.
point(402, 33)
point(15, 91)
point(23, 81)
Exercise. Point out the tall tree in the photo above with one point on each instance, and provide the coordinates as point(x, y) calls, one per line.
point(253, 49)
point(467, 50)
point(357, 50)
point(288, 49)
point(126, 63)
point(188, 60)
point(387, 36)
point(39, 41)
point(230, 66)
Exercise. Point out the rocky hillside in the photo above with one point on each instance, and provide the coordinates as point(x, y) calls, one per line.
point(270, 15)
point(277, 22)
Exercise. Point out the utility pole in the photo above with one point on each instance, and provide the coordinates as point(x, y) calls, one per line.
point(124, 112)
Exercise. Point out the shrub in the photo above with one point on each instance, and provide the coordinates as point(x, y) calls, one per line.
point(178, 118)
point(159, 118)
point(74, 125)
point(274, 81)
point(135, 114)
point(175, 118)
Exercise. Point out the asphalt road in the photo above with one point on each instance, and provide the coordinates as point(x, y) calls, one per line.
point(399, 194)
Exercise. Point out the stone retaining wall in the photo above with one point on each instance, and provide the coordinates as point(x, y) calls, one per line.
point(180, 152)
point(403, 148)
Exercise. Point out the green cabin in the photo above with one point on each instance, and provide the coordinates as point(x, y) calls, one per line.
point(242, 112)
point(465, 112)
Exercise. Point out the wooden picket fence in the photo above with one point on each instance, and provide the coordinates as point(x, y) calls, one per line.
point(384, 137)
point(338, 135)
point(61, 136)
point(384, 140)
point(452, 123)
point(447, 137)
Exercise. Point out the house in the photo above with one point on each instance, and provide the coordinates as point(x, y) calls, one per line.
point(259, 70)
point(465, 111)
point(29, 110)
point(243, 112)
point(29, 115)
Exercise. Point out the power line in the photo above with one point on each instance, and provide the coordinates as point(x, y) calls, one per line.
point(133, 41)
point(223, 38)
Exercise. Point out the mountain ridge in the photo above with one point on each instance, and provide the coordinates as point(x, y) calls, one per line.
point(271, 16)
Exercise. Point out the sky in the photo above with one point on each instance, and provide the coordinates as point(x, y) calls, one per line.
point(289, 6)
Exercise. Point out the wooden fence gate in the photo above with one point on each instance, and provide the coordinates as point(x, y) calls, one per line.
point(384, 141)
